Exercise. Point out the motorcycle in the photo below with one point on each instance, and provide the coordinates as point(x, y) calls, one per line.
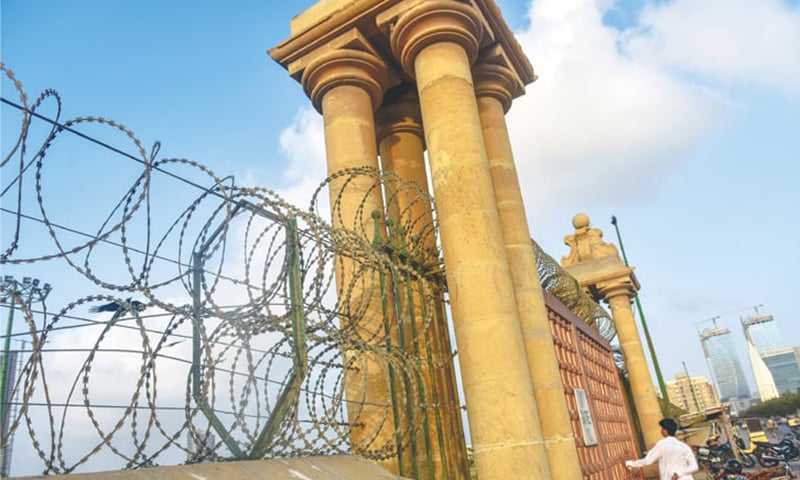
point(714, 456)
point(732, 470)
point(770, 454)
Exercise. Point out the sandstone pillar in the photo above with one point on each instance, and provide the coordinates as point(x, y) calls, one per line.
point(401, 151)
point(598, 267)
point(402, 147)
point(346, 86)
point(619, 295)
point(436, 42)
point(494, 88)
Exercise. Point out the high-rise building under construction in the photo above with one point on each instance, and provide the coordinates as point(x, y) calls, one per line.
point(775, 367)
point(724, 364)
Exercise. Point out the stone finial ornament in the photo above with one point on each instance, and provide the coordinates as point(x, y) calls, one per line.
point(586, 243)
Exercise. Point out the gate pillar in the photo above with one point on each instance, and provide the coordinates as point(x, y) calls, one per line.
point(495, 86)
point(401, 147)
point(437, 42)
point(430, 46)
point(598, 267)
point(346, 86)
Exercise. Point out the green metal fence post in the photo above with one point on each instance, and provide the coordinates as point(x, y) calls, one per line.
point(661, 385)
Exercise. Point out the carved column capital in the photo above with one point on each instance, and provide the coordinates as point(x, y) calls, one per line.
point(495, 81)
point(399, 116)
point(433, 22)
point(345, 67)
point(620, 287)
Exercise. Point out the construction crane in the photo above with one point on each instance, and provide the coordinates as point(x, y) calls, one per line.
point(712, 319)
point(717, 317)
point(753, 307)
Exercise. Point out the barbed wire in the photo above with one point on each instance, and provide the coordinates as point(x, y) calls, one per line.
point(200, 374)
point(566, 288)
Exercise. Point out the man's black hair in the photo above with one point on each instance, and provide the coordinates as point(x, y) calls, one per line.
point(669, 425)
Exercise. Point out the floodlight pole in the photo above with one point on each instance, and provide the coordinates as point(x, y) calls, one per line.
point(661, 385)
point(28, 291)
point(4, 365)
point(691, 387)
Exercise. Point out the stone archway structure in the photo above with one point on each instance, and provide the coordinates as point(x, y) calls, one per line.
point(393, 79)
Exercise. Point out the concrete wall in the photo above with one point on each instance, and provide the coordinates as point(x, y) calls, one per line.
point(309, 468)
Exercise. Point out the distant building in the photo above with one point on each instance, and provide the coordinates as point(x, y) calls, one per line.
point(739, 404)
point(724, 364)
point(764, 381)
point(783, 364)
point(776, 369)
point(762, 332)
point(693, 394)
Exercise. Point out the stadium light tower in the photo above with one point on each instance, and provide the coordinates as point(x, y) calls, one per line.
point(28, 291)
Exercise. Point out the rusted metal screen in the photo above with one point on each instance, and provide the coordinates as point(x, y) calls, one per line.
point(594, 395)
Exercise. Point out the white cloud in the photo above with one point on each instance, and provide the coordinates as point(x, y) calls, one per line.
point(303, 142)
point(614, 112)
point(754, 42)
point(599, 125)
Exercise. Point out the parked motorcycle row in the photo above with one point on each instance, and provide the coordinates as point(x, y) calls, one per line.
point(715, 457)
point(719, 460)
point(769, 454)
point(734, 470)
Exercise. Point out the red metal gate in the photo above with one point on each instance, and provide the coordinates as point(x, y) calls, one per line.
point(594, 395)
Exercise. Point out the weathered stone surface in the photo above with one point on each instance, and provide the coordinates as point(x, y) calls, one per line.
point(309, 468)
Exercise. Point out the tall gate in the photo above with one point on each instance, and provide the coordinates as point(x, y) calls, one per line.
point(594, 395)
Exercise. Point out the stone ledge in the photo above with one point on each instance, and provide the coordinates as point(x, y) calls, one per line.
point(343, 467)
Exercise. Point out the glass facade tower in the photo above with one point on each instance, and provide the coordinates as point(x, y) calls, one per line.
point(782, 373)
point(724, 364)
point(762, 332)
point(782, 363)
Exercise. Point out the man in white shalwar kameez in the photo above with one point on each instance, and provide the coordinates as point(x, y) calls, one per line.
point(675, 459)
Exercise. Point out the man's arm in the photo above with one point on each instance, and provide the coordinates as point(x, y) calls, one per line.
point(653, 455)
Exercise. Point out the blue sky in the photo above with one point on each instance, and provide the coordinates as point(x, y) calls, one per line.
point(679, 117)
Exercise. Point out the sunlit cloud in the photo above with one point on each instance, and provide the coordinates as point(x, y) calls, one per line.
point(749, 45)
point(599, 125)
point(303, 143)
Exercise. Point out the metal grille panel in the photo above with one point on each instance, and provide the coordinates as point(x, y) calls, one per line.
point(586, 362)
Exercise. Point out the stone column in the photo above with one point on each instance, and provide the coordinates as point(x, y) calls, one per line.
point(494, 86)
point(401, 146)
point(436, 42)
point(346, 86)
point(619, 294)
point(401, 151)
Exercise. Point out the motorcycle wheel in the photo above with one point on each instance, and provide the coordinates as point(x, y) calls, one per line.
point(792, 454)
point(747, 460)
point(764, 462)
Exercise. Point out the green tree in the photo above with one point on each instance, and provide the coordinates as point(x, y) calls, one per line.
point(786, 404)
